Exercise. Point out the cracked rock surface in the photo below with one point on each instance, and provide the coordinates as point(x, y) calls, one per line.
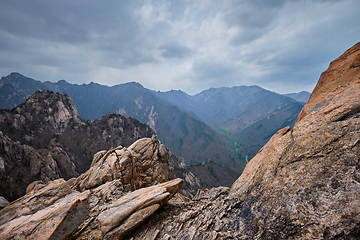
point(122, 189)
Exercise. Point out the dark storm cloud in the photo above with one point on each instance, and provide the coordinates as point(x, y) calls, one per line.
point(174, 50)
point(283, 45)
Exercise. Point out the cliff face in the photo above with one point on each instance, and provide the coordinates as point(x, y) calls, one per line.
point(21, 164)
point(44, 139)
point(48, 119)
point(303, 184)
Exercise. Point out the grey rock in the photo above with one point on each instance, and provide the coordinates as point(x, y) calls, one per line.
point(3, 202)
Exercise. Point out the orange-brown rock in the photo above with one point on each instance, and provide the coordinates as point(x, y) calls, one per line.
point(303, 184)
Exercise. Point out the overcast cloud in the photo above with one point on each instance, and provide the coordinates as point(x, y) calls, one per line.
point(281, 45)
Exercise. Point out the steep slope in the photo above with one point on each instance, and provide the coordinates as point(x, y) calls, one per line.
point(54, 142)
point(10, 96)
point(260, 131)
point(21, 164)
point(202, 175)
point(303, 184)
point(47, 119)
point(178, 130)
point(249, 115)
point(44, 139)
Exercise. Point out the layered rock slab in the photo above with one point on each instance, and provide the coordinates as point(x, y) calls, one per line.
point(104, 209)
point(54, 222)
point(303, 184)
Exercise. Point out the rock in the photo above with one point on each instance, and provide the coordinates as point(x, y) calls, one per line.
point(44, 138)
point(21, 165)
point(54, 222)
point(141, 165)
point(35, 200)
point(135, 207)
point(3, 202)
point(303, 184)
point(34, 186)
point(106, 211)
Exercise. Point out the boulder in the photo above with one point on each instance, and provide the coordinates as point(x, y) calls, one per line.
point(143, 164)
point(105, 208)
point(115, 218)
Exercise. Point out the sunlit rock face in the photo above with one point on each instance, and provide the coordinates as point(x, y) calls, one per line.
point(303, 184)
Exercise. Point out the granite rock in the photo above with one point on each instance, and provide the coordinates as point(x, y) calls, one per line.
point(101, 203)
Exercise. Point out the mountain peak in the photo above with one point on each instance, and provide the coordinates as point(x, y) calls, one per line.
point(340, 79)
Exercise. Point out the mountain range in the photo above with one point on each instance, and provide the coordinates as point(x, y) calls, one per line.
point(44, 139)
point(227, 125)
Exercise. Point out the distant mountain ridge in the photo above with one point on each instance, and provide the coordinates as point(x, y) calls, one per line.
point(246, 114)
point(302, 96)
point(227, 125)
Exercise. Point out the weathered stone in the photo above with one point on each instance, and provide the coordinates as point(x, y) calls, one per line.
point(35, 200)
point(126, 164)
point(34, 186)
point(54, 222)
point(132, 222)
point(127, 205)
point(3, 202)
point(97, 157)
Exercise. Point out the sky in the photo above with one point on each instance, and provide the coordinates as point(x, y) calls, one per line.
point(280, 45)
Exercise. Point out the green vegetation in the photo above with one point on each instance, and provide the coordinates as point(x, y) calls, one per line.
point(240, 149)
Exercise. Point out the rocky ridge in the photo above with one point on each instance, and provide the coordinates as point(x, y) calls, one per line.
point(177, 129)
point(22, 164)
point(44, 139)
point(49, 140)
point(303, 184)
point(123, 188)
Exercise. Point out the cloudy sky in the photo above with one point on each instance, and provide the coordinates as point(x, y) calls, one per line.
point(281, 45)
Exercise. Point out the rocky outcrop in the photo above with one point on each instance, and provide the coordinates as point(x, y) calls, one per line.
point(303, 184)
point(21, 164)
point(143, 164)
point(101, 203)
point(44, 139)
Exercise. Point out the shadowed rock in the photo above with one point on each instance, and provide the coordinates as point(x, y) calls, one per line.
point(3, 202)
